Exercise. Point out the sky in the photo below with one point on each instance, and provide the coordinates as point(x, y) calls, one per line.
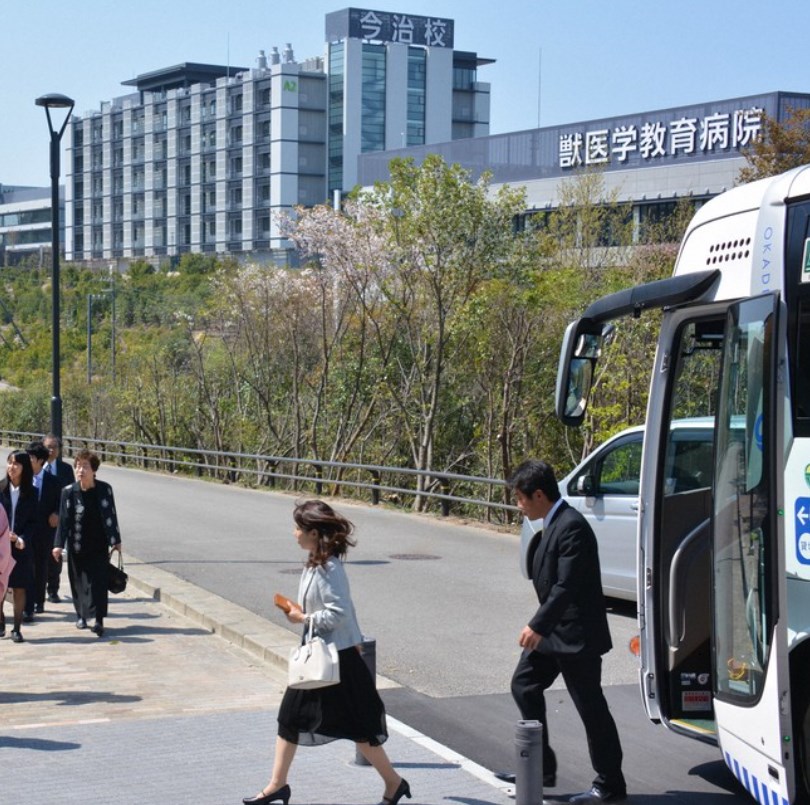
point(557, 62)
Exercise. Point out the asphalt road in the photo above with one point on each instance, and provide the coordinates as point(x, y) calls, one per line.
point(444, 601)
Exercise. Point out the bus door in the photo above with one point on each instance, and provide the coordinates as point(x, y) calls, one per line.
point(750, 661)
point(675, 522)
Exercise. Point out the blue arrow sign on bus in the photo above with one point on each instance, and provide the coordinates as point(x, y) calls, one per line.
point(803, 530)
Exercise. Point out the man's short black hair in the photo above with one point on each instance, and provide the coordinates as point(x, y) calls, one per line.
point(38, 450)
point(534, 474)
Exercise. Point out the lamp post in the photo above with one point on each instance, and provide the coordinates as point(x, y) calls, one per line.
point(55, 101)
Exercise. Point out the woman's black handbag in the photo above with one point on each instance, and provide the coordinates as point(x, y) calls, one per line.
point(116, 578)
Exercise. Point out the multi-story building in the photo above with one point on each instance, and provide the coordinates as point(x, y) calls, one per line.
point(25, 223)
point(200, 157)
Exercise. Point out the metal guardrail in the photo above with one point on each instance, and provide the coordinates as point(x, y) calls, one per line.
point(385, 483)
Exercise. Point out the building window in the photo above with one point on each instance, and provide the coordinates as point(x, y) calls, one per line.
point(372, 126)
point(236, 166)
point(417, 83)
point(236, 135)
point(464, 78)
point(336, 71)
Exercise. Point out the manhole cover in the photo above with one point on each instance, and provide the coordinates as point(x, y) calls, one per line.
point(414, 557)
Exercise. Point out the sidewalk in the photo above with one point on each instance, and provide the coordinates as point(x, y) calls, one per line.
point(177, 704)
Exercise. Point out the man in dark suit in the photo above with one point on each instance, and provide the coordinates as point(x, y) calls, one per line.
point(49, 495)
point(568, 634)
point(63, 473)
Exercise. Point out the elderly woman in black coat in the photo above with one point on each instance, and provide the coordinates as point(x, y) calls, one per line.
point(88, 527)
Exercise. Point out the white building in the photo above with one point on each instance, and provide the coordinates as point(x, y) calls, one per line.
point(200, 157)
point(650, 159)
point(25, 223)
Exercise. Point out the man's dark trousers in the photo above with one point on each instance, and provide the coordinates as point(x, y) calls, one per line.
point(536, 672)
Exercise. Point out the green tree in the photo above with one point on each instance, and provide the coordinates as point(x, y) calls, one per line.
point(782, 146)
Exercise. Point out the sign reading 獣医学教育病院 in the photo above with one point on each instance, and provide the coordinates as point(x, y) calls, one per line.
point(661, 139)
point(389, 26)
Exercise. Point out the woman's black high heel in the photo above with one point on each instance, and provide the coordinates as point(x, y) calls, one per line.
point(279, 795)
point(403, 790)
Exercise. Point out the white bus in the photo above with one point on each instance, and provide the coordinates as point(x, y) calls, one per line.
point(724, 569)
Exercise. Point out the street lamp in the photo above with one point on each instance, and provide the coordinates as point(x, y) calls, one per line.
point(55, 101)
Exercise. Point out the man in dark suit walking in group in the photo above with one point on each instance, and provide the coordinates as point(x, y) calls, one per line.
point(568, 634)
point(63, 473)
point(49, 494)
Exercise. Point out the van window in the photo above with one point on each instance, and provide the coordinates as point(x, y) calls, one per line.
point(621, 470)
point(612, 471)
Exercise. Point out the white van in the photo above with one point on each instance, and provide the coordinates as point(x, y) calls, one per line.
point(604, 488)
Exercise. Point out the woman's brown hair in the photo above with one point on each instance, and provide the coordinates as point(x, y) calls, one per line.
point(334, 530)
point(90, 457)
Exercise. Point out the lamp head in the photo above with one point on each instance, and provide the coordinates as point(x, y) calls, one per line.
point(54, 100)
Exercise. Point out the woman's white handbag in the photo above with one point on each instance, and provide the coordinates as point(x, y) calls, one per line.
point(313, 664)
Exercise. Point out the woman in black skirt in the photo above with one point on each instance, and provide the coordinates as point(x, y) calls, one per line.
point(88, 526)
point(352, 709)
point(20, 502)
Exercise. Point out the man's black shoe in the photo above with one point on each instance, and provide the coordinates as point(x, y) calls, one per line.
point(54, 598)
point(597, 794)
point(549, 780)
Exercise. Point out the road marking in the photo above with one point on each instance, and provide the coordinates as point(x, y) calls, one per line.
point(485, 775)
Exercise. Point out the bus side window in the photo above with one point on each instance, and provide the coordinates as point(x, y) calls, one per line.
point(802, 380)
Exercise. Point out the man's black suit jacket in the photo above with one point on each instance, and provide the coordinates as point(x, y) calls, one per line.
point(49, 498)
point(64, 473)
point(565, 572)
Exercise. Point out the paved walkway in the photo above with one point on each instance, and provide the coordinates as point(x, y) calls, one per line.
point(177, 704)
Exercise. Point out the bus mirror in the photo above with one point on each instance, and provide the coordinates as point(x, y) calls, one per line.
point(582, 346)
